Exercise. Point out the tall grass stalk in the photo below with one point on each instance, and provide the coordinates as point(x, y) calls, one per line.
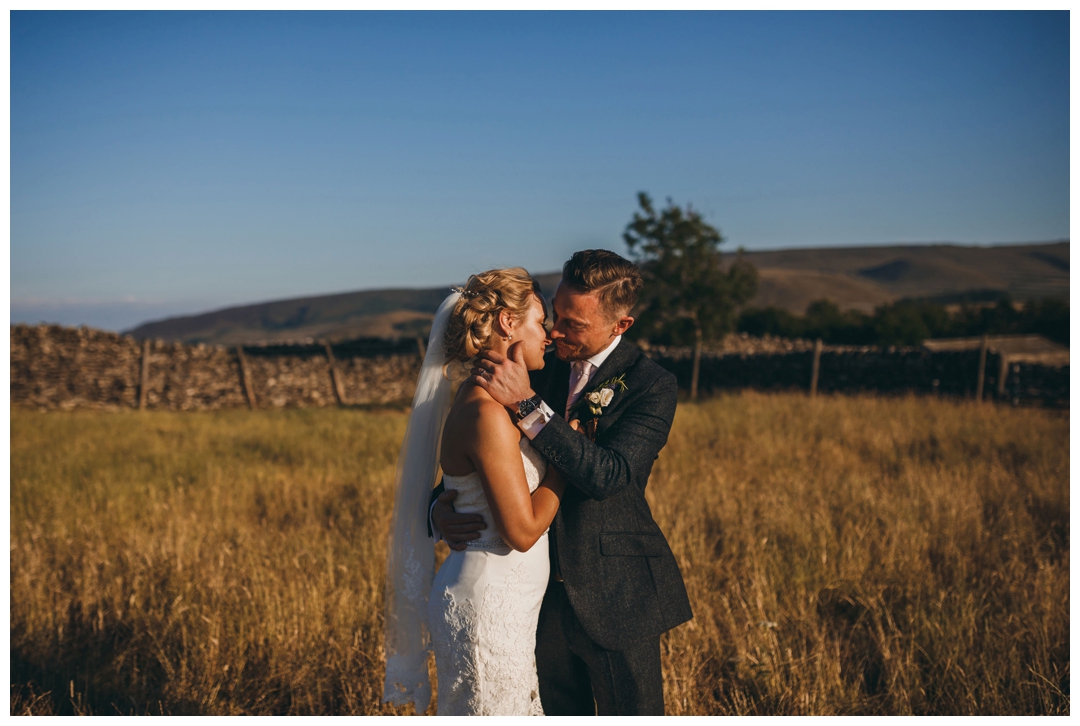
point(843, 556)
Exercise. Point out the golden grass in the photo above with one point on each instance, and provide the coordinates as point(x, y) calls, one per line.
point(843, 556)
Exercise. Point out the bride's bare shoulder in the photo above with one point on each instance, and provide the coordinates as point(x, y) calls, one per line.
point(477, 429)
point(477, 410)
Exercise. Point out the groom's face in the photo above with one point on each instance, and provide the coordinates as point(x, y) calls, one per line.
point(582, 328)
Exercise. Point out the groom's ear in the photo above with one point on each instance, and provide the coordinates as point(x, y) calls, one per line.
point(622, 325)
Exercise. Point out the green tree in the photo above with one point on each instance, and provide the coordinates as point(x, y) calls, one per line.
point(824, 319)
point(1049, 317)
point(687, 289)
point(774, 321)
point(901, 324)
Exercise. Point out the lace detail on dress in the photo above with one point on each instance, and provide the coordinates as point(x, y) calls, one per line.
point(487, 544)
point(509, 659)
point(454, 636)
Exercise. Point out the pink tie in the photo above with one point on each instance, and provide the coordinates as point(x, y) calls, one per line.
point(579, 378)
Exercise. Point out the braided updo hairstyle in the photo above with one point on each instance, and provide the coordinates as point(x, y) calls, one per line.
point(485, 296)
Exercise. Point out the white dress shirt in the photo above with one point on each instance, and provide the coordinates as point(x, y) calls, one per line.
point(534, 423)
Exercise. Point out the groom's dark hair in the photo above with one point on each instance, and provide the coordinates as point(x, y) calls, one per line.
point(616, 279)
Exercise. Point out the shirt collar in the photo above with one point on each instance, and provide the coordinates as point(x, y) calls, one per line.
point(598, 359)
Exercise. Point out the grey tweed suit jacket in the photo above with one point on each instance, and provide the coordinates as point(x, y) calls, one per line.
point(620, 575)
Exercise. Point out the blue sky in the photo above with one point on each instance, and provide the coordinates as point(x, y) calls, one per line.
point(170, 163)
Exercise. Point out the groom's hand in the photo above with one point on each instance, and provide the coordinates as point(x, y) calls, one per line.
point(456, 528)
point(505, 378)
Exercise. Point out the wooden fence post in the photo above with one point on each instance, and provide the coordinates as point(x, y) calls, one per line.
point(335, 380)
point(981, 379)
point(695, 370)
point(144, 372)
point(816, 368)
point(1003, 374)
point(245, 378)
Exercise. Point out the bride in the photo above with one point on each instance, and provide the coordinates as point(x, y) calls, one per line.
point(480, 611)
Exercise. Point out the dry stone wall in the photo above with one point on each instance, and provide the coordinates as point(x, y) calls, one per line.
point(65, 368)
point(53, 367)
point(190, 378)
point(848, 369)
point(303, 379)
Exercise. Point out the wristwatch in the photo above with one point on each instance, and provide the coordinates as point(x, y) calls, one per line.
point(528, 406)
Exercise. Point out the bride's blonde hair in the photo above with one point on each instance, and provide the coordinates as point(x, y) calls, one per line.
point(482, 299)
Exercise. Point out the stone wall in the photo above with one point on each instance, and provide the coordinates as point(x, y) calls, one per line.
point(64, 368)
point(890, 370)
point(303, 378)
point(55, 367)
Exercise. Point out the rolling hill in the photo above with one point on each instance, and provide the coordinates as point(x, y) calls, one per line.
point(853, 277)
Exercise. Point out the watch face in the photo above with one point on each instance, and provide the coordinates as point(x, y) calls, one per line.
point(526, 407)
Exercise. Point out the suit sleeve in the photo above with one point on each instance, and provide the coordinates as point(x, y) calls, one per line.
point(625, 449)
point(432, 530)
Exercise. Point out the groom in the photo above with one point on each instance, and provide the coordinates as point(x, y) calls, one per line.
point(615, 586)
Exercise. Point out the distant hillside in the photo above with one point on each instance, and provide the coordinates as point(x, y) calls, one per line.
point(394, 313)
point(862, 277)
point(853, 277)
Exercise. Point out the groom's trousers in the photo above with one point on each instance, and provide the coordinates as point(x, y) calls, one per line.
point(574, 671)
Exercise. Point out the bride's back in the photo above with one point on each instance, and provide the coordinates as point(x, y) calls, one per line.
point(462, 428)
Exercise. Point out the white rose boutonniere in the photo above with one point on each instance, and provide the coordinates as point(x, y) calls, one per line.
point(600, 397)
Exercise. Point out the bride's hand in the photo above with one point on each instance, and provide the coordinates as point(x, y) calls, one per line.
point(575, 424)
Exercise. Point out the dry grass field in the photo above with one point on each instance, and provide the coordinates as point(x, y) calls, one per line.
point(843, 556)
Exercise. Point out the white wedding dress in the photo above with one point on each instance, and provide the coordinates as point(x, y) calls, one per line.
point(483, 610)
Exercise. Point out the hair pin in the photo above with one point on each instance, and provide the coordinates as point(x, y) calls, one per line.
point(467, 294)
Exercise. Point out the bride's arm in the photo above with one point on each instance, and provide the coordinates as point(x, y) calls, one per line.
point(520, 517)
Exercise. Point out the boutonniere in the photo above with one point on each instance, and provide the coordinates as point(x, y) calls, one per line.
point(599, 397)
point(597, 400)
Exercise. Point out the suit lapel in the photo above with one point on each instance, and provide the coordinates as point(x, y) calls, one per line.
point(624, 354)
point(557, 386)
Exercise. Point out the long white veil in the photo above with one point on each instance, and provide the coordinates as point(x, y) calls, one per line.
point(410, 559)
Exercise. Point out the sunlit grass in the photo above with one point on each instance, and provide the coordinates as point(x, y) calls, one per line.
point(843, 555)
